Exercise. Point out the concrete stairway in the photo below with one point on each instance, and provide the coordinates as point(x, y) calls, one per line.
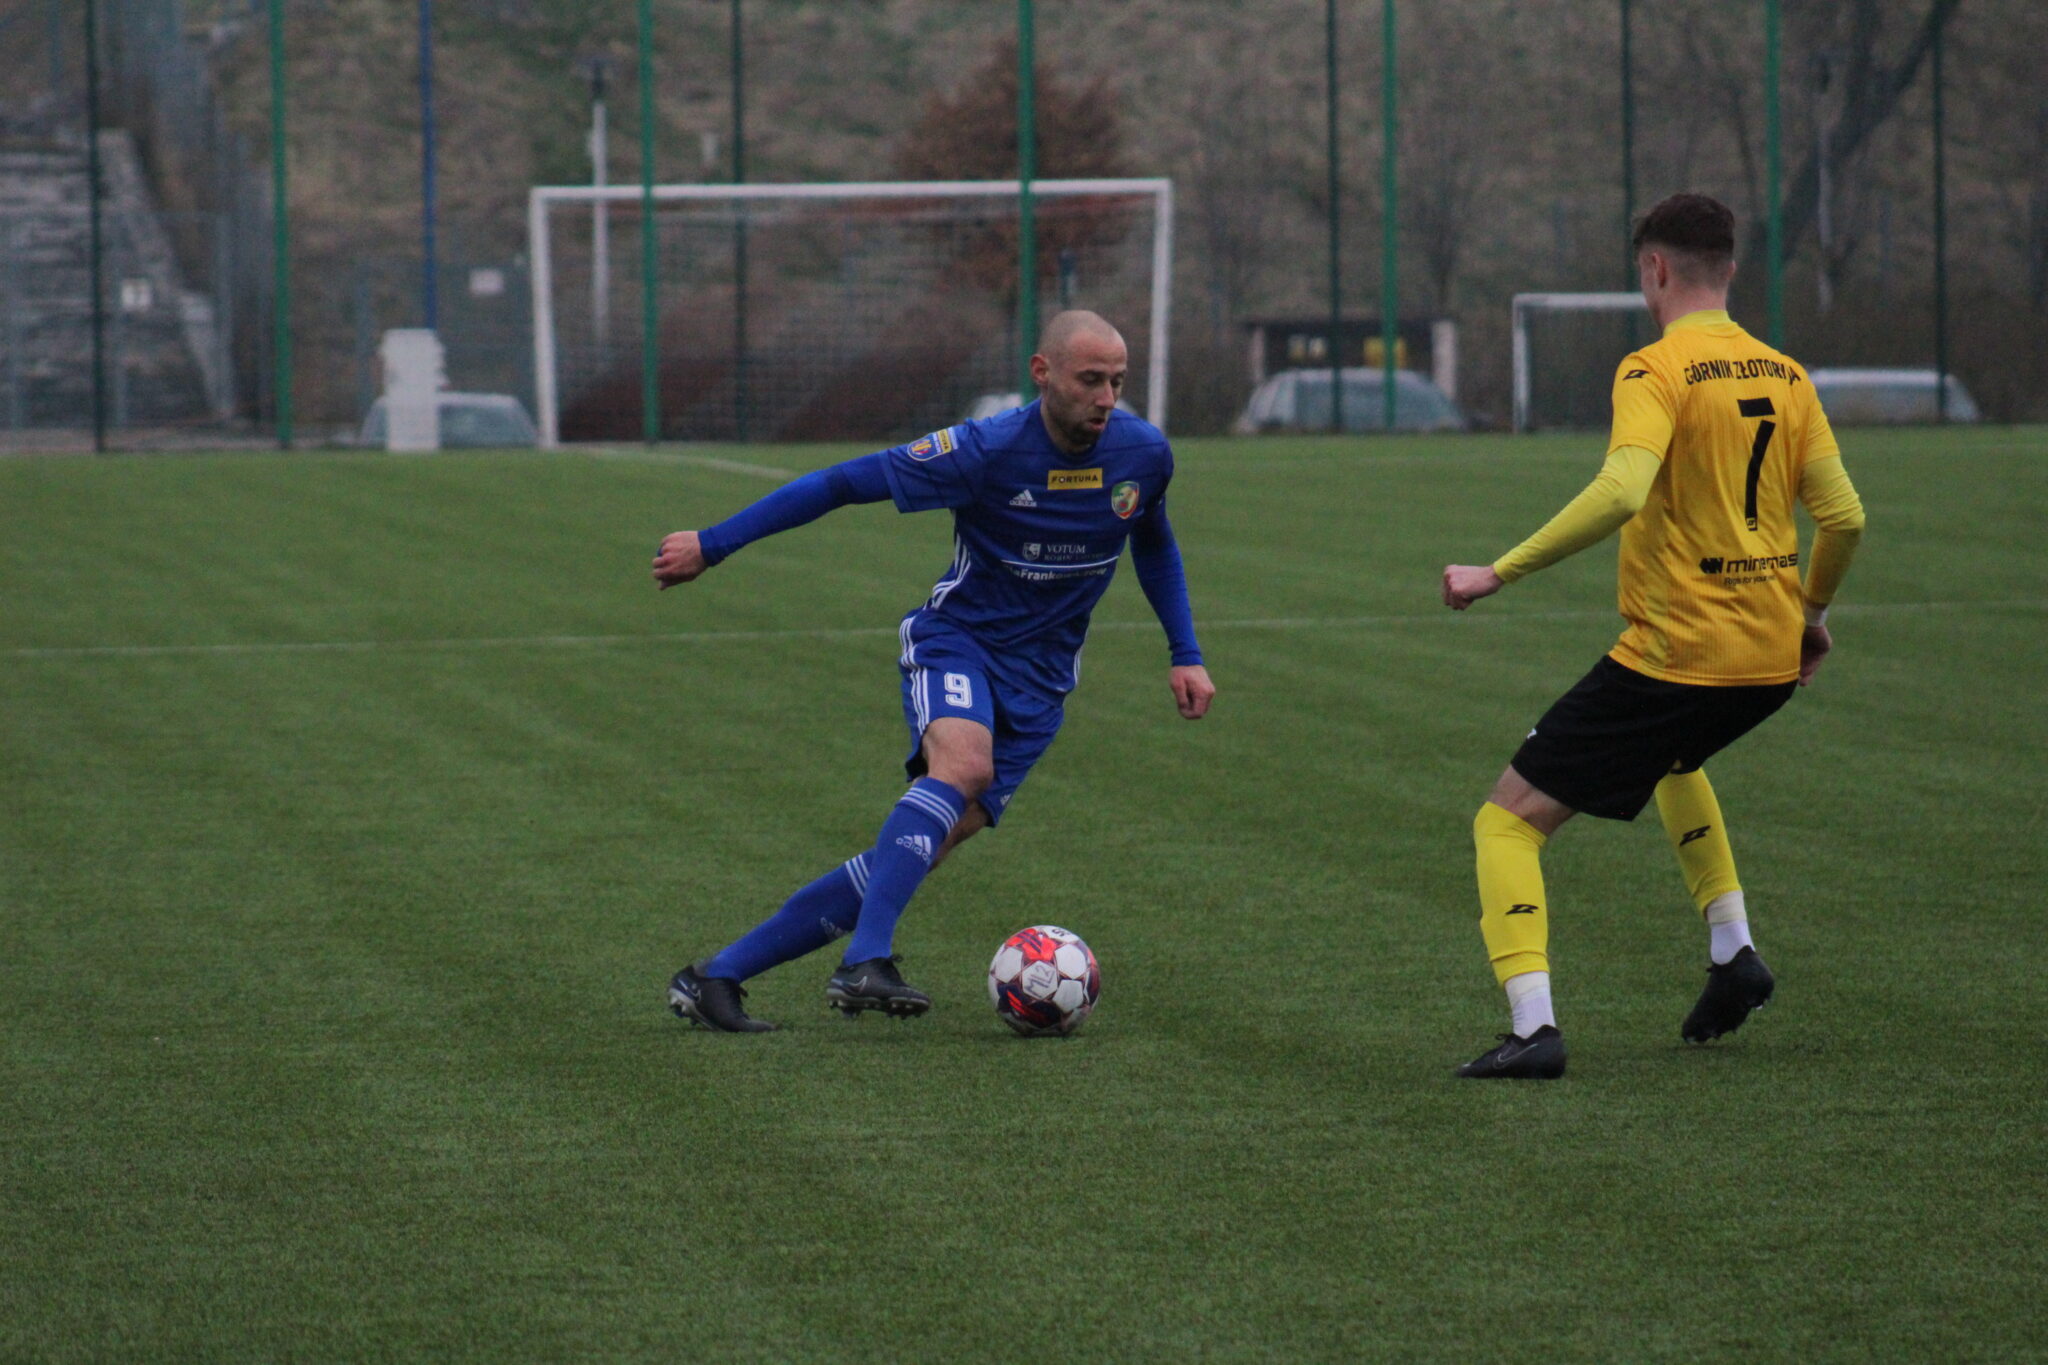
point(163, 359)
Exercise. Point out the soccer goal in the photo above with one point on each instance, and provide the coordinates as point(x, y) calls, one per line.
point(1565, 349)
point(868, 311)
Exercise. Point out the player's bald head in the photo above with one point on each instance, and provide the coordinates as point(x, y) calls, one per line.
point(1079, 370)
point(1075, 328)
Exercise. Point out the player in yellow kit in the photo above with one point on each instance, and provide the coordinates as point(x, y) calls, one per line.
point(1715, 436)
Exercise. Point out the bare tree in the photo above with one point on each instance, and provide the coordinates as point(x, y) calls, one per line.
point(1871, 91)
point(1234, 164)
point(970, 132)
point(1448, 142)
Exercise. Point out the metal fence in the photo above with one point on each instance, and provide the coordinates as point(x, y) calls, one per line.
point(1524, 137)
point(184, 235)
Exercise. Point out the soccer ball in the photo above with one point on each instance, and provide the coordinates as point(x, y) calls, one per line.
point(1043, 981)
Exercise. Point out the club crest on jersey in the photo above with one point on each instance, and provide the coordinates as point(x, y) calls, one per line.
point(1123, 499)
point(1074, 478)
point(929, 447)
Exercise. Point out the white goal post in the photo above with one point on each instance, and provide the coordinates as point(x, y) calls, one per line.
point(545, 361)
point(1525, 304)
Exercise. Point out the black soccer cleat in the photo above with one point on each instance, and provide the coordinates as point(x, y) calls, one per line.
point(1539, 1057)
point(874, 985)
point(714, 1002)
point(1734, 988)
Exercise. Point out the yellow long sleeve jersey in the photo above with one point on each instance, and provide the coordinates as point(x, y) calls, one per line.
point(1709, 573)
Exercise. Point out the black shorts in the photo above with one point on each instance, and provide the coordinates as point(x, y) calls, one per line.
point(1603, 747)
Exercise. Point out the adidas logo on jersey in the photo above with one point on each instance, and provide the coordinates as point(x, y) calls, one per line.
point(1024, 499)
point(920, 844)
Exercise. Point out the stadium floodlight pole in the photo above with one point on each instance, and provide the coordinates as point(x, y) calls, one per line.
point(1774, 228)
point(280, 237)
point(1336, 215)
point(430, 285)
point(1940, 236)
point(1390, 275)
point(741, 398)
point(92, 194)
point(650, 356)
point(1027, 209)
point(1628, 147)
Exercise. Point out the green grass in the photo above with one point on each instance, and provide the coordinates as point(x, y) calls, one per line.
point(330, 978)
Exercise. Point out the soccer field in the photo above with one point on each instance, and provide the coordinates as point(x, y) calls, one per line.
point(357, 809)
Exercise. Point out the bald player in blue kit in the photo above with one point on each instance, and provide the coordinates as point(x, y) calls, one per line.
point(1043, 499)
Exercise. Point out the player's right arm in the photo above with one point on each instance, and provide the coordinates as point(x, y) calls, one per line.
point(1617, 493)
point(686, 554)
point(1645, 415)
point(939, 470)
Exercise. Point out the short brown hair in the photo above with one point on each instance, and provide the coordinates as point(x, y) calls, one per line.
point(1695, 225)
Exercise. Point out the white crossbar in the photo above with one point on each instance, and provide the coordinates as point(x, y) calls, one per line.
point(1524, 304)
point(1158, 189)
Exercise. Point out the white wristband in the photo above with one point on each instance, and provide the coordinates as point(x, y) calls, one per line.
point(1816, 616)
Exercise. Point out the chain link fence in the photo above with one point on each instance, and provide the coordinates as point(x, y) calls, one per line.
point(1510, 180)
point(184, 237)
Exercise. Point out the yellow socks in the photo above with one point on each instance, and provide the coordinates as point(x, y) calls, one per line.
point(1513, 916)
point(1692, 820)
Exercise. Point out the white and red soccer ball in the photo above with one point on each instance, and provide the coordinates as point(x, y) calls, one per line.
point(1044, 981)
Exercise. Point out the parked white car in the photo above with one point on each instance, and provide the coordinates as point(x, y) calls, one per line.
point(468, 420)
point(1868, 397)
point(1299, 400)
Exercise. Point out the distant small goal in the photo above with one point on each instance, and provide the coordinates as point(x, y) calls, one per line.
point(1565, 349)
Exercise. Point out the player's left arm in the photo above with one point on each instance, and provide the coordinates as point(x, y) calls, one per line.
point(1155, 554)
point(1830, 498)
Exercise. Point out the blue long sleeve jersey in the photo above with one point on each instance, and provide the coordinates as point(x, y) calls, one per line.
point(1037, 533)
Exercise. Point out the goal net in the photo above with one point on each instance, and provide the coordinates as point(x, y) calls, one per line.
point(1565, 349)
point(866, 312)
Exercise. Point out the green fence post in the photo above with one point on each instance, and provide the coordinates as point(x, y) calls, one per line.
point(92, 179)
point(650, 357)
point(1940, 238)
point(1628, 146)
point(280, 235)
point(741, 398)
point(1390, 300)
point(1027, 210)
point(1774, 174)
point(1332, 189)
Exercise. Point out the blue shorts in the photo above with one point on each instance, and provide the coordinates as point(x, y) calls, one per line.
point(946, 674)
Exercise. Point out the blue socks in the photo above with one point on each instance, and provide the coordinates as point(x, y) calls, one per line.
point(910, 840)
point(866, 893)
point(807, 921)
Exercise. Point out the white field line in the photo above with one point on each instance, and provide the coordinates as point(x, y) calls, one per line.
point(759, 471)
point(712, 637)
